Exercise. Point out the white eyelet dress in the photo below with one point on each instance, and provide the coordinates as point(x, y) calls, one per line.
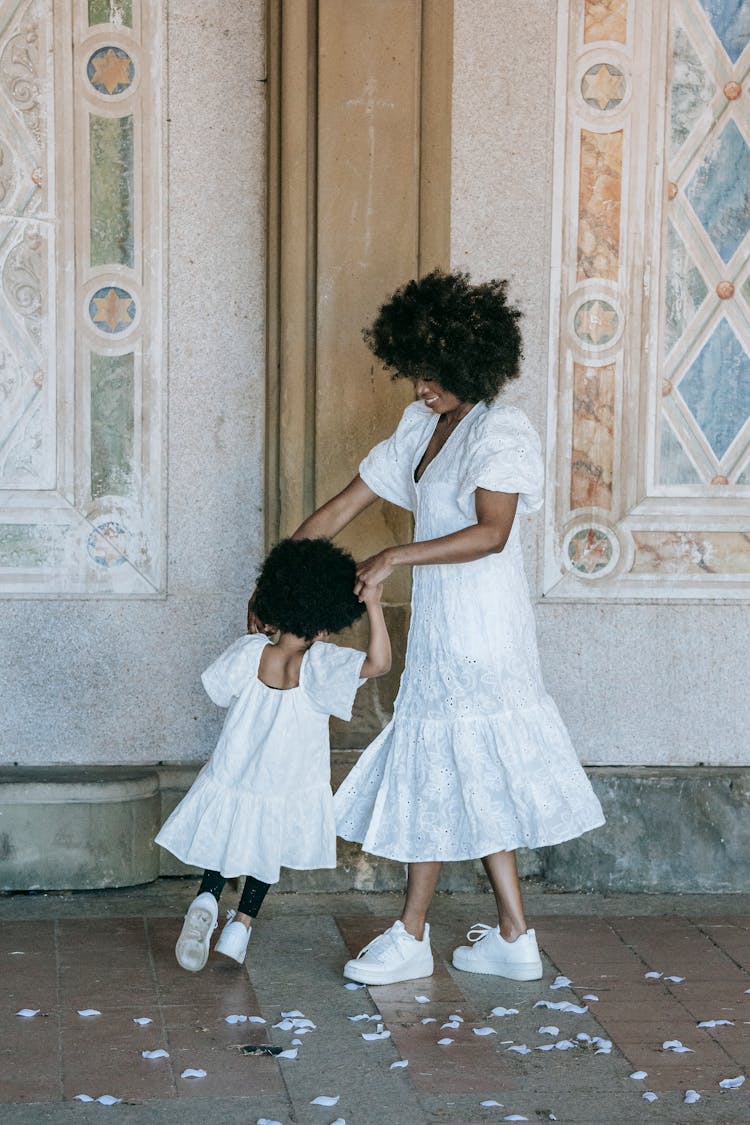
point(263, 800)
point(476, 758)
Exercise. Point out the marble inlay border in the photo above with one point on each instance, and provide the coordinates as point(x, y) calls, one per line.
point(649, 403)
point(82, 493)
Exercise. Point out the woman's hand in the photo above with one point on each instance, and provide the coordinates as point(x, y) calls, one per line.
point(373, 572)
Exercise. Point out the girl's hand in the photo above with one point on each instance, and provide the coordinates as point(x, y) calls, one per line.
point(371, 595)
point(254, 623)
point(373, 572)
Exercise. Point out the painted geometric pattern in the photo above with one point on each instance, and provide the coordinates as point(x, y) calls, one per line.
point(80, 400)
point(704, 421)
point(650, 398)
point(27, 423)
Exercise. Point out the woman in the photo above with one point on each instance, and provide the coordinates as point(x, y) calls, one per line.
point(476, 761)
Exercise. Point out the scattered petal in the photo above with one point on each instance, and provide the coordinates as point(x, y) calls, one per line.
point(303, 1024)
point(351, 985)
point(565, 1045)
point(428, 1019)
point(691, 1097)
point(521, 1048)
point(422, 999)
point(561, 982)
point(339, 1121)
point(491, 1102)
point(235, 1018)
point(457, 1019)
point(142, 1020)
point(562, 1006)
point(284, 1025)
point(550, 1030)
point(546, 1047)
point(266, 1121)
point(290, 1053)
point(255, 1019)
point(83, 1098)
point(504, 1012)
point(675, 980)
point(89, 1012)
point(590, 997)
point(732, 1083)
point(584, 1038)
point(652, 976)
point(716, 1023)
point(604, 1045)
point(293, 1015)
point(324, 1099)
point(296, 1042)
point(450, 1024)
point(192, 1072)
point(639, 1074)
point(28, 1013)
point(484, 1031)
point(107, 1099)
point(515, 1117)
point(361, 1016)
point(399, 1065)
point(676, 1047)
point(371, 1036)
point(650, 1096)
point(158, 1054)
point(445, 1042)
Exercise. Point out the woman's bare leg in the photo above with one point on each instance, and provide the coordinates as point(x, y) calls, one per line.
point(420, 887)
point(502, 872)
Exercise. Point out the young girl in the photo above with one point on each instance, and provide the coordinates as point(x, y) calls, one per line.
point(264, 798)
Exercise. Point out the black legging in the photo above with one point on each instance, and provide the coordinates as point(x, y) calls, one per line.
point(253, 892)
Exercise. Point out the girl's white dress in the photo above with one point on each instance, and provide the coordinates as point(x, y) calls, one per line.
point(476, 758)
point(263, 800)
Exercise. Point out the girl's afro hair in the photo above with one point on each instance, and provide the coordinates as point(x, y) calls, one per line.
point(306, 586)
point(442, 328)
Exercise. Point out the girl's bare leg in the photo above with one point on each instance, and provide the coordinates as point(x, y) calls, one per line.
point(502, 872)
point(420, 887)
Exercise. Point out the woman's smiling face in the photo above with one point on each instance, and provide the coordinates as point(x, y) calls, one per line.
point(436, 397)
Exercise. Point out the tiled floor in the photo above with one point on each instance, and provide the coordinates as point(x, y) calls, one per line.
point(122, 964)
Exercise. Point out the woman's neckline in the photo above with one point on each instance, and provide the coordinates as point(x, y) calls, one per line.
point(423, 449)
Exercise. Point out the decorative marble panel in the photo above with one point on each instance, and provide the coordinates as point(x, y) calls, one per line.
point(81, 489)
point(650, 384)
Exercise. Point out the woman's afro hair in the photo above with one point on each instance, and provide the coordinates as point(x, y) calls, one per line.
point(306, 586)
point(442, 328)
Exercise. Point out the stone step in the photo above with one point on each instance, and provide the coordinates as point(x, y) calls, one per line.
point(683, 829)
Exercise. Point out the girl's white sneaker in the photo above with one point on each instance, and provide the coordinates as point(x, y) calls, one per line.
point(191, 950)
point(233, 940)
point(490, 953)
point(392, 957)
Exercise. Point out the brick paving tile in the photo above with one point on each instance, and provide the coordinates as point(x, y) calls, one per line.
point(125, 968)
point(470, 1064)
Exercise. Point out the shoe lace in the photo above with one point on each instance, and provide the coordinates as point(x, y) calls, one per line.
point(231, 914)
point(478, 932)
point(379, 946)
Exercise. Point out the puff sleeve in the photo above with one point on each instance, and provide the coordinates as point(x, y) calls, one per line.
point(387, 468)
point(505, 456)
point(230, 672)
point(330, 676)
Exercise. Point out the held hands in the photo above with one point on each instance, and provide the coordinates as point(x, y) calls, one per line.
point(371, 574)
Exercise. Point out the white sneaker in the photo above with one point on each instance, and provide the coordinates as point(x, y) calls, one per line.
point(191, 950)
point(233, 939)
point(392, 957)
point(491, 953)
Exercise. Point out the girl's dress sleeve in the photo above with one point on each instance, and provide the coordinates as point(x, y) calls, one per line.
point(387, 469)
point(230, 672)
point(506, 456)
point(330, 676)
